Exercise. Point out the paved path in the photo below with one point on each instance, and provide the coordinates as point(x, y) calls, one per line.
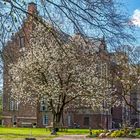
point(72, 137)
point(83, 137)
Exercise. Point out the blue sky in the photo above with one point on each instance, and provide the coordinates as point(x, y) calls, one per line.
point(133, 7)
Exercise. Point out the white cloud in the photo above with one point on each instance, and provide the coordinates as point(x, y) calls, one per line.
point(136, 17)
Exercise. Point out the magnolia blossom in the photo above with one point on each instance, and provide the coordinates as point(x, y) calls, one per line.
point(62, 71)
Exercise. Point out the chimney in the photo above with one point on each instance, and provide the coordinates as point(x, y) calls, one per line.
point(32, 8)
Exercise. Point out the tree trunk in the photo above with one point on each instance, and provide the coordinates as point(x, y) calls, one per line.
point(57, 119)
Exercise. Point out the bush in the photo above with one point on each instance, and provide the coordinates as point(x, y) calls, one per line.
point(121, 133)
point(138, 131)
point(117, 133)
point(126, 131)
point(97, 132)
point(132, 135)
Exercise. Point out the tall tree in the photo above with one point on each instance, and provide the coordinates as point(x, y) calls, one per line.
point(90, 18)
point(61, 74)
point(93, 18)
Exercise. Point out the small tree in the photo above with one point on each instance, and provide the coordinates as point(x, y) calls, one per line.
point(127, 76)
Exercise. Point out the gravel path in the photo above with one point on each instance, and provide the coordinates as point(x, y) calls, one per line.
point(83, 137)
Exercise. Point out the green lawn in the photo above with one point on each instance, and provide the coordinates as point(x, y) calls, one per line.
point(39, 133)
point(24, 131)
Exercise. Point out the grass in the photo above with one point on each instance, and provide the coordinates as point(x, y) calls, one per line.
point(39, 133)
point(75, 132)
point(24, 131)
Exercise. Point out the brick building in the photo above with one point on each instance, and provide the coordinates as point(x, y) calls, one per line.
point(22, 114)
point(25, 114)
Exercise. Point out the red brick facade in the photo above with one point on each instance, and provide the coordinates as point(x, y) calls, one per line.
point(25, 114)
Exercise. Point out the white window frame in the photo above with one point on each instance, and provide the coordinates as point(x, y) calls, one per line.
point(14, 105)
point(45, 119)
point(11, 105)
point(69, 120)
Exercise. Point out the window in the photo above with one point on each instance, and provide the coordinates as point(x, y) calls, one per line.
point(43, 105)
point(21, 41)
point(86, 121)
point(45, 119)
point(69, 120)
point(11, 105)
point(14, 105)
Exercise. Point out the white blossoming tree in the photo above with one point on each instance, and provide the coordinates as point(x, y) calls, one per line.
point(61, 72)
point(128, 73)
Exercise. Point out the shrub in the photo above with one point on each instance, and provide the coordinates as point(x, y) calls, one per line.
point(133, 135)
point(97, 132)
point(126, 132)
point(117, 133)
point(138, 131)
